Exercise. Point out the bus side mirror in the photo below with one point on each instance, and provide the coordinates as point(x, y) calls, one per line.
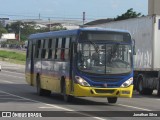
point(134, 49)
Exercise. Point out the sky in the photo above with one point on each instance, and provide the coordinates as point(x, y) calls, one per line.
point(69, 9)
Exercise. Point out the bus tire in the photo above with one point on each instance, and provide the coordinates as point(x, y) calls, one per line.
point(66, 98)
point(158, 88)
point(141, 89)
point(112, 99)
point(40, 91)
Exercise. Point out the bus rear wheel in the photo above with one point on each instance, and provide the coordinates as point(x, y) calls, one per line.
point(112, 99)
point(40, 91)
point(142, 90)
point(158, 88)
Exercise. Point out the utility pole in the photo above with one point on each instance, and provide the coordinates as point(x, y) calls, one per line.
point(19, 32)
point(84, 17)
point(39, 16)
point(49, 24)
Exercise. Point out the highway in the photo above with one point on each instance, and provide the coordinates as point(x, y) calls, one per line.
point(17, 95)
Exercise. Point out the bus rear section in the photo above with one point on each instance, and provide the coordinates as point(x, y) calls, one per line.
point(99, 64)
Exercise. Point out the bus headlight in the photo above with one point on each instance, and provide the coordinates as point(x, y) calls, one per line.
point(81, 81)
point(127, 83)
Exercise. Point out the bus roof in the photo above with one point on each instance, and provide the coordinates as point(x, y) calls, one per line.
point(70, 32)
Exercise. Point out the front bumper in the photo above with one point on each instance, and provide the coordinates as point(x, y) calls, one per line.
point(80, 91)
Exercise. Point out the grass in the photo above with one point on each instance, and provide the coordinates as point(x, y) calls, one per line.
point(12, 56)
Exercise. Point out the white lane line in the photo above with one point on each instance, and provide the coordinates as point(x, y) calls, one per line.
point(12, 76)
point(13, 72)
point(134, 107)
point(10, 99)
point(52, 105)
point(5, 81)
point(46, 107)
point(58, 107)
point(4, 95)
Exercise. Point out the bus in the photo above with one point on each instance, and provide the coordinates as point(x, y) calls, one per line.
point(86, 62)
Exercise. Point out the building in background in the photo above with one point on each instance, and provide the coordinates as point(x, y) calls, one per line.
point(153, 7)
point(3, 21)
point(7, 36)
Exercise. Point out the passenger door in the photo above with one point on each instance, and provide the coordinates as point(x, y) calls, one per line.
point(72, 63)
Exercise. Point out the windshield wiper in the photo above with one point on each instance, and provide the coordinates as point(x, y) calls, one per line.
point(95, 46)
point(115, 48)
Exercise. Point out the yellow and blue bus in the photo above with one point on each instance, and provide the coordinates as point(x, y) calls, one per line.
point(86, 62)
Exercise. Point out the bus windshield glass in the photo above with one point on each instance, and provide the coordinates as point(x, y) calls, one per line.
point(109, 59)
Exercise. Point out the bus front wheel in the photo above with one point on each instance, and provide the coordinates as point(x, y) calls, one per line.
point(67, 98)
point(112, 99)
point(40, 91)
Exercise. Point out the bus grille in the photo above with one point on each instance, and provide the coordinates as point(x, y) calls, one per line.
point(104, 91)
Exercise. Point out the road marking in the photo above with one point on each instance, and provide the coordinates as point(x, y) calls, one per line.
point(5, 81)
point(58, 107)
point(10, 99)
point(12, 76)
point(134, 107)
point(4, 95)
point(46, 107)
point(52, 105)
point(13, 72)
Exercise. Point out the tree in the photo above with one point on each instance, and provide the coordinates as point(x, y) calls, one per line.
point(22, 28)
point(27, 28)
point(2, 30)
point(129, 14)
point(14, 27)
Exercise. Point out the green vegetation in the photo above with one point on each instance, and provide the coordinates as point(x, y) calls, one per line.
point(129, 14)
point(27, 28)
point(14, 57)
point(2, 30)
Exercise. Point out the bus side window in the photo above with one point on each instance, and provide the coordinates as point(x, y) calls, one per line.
point(50, 54)
point(55, 55)
point(43, 54)
point(46, 41)
point(29, 49)
point(50, 44)
point(63, 49)
point(43, 43)
point(46, 54)
point(58, 48)
point(52, 50)
point(46, 46)
point(38, 46)
point(67, 48)
point(38, 43)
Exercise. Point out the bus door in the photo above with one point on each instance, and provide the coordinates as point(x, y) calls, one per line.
point(32, 63)
point(72, 62)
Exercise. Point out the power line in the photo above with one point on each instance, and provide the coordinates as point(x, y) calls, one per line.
point(39, 16)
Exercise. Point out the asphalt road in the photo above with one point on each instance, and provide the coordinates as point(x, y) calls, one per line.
point(16, 95)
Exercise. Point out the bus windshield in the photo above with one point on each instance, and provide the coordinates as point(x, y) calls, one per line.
point(109, 59)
